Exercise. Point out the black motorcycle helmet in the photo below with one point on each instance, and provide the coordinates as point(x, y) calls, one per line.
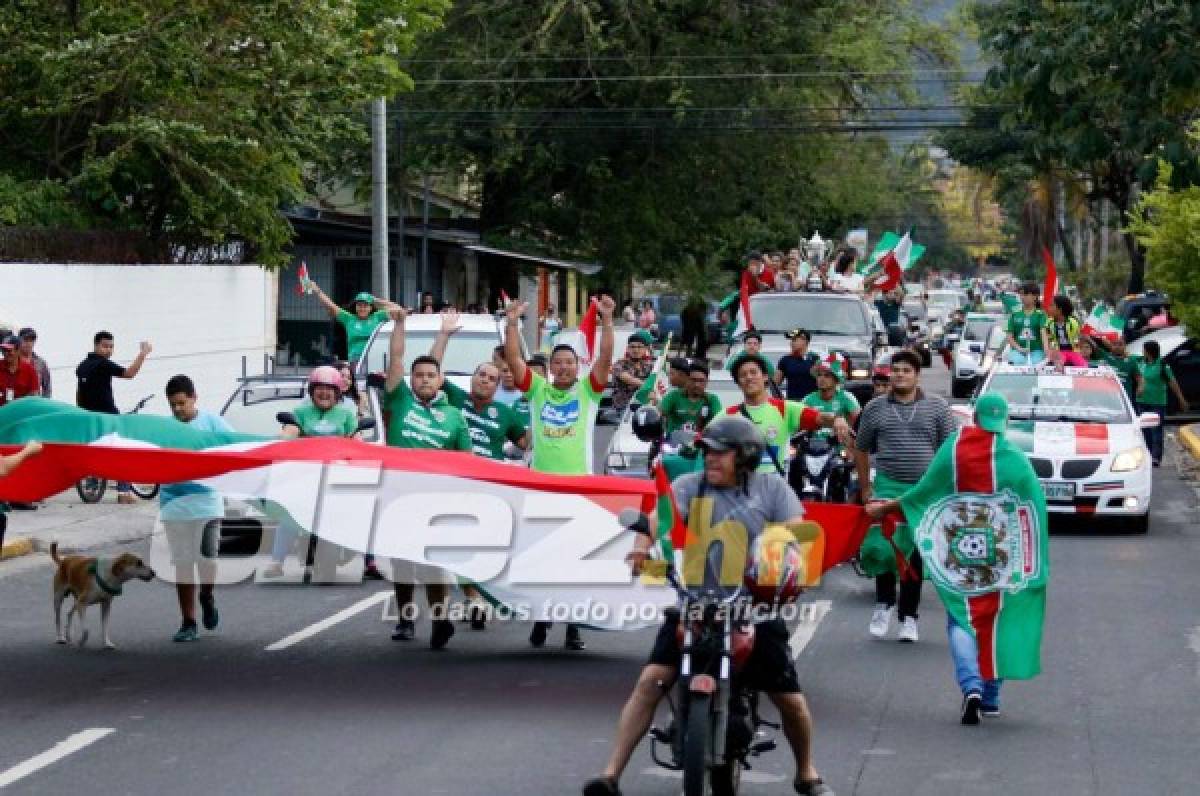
point(735, 433)
point(648, 424)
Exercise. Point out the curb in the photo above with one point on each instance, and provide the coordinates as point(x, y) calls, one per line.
point(15, 548)
point(1190, 437)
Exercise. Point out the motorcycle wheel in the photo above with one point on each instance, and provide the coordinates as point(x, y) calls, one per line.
point(91, 488)
point(727, 779)
point(145, 491)
point(696, 743)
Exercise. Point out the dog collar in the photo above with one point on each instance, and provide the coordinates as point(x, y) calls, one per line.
point(94, 571)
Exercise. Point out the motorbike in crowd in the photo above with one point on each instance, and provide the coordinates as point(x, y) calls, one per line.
point(91, 488)
point(715, 727)
point(821, 469)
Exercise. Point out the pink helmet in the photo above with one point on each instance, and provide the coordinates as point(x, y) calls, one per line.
point(326, 375)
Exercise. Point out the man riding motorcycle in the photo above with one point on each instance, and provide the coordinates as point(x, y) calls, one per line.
point(731, 486)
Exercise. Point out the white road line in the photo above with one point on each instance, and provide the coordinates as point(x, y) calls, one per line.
point(325, 624)
point(806, 628)
point(1194, 643)
point(51, 756)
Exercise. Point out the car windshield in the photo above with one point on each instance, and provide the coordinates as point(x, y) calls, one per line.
point(977, 331)
point(817, 315)
point(464, 353)
point(1065, 397)
point(253, 408)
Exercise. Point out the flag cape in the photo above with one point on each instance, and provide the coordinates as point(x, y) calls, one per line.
point(980, 519)
point(587, 328)
point(1051, 287)
point(1102, 322)
point(656, 384)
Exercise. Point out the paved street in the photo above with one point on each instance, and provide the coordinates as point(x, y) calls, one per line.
point(346, 710)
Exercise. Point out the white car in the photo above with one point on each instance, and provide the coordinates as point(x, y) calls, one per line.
point(978, 349)
point(629, 456)
point(1084, 440)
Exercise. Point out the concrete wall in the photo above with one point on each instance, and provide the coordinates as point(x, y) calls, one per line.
point(201, 320)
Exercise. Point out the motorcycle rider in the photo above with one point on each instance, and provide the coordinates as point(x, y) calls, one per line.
point(829, 395)
point(731, 485)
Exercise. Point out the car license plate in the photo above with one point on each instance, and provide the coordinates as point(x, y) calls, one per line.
point(1059, 490)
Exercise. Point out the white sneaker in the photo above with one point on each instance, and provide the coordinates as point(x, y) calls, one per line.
point(908, 630)
point(881, 619)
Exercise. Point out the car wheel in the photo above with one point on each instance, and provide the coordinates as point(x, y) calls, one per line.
point(1140, 525)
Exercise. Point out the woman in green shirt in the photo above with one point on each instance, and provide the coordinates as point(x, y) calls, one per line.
point(1156, 376)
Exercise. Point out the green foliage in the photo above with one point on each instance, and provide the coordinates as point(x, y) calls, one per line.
point(1169, 228)
point(195, 121)
point(1097, 92)
point(578, 147)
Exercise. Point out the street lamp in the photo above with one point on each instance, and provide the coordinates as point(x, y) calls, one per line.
point(817, 248)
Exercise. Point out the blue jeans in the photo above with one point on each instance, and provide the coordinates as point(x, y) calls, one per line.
point(1154, 436)
point(966, 665)
point(1016, 357)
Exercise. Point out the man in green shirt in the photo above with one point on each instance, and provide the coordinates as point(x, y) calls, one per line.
point(369, 313)
point(693, 407)
point(420, 417)
point(1028, 330)
point(829, 395)
point(563, 411)
point(1154, 377)
point(752, 340)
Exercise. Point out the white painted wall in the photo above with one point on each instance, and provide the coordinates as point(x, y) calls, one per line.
point(201, 320)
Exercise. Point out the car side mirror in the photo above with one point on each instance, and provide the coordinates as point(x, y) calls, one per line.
point(1149, 420)
point(286, 419)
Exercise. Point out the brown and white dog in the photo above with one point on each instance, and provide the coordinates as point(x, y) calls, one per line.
point(90, 581)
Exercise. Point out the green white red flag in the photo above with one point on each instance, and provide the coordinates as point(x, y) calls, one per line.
point(980, 518)
point(655, 387)
point(1102, 321)
point(304, 285)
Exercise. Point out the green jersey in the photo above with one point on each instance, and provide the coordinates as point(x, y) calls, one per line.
point(843, 404)
point(1026, 328)
point(490, 426)
point(1154, 381)
point(359, 330)
point(338, 421)
point(414, 424)
point(778, 421)
point(680, 412)
point(1125, 368)
point(563, 423)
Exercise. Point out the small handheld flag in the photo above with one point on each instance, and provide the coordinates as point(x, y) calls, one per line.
point(304, 285)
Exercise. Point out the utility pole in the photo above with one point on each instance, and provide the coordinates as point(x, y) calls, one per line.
point(379, 214)
point(425, 280)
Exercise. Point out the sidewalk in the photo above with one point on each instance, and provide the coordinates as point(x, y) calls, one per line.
point(75, 525)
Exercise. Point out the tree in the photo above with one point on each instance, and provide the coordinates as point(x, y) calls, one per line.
point(1168, 225)
point(193, 122)
point(642, 132)
point(1096, 93)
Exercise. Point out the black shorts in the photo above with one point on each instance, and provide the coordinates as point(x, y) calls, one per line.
point(770, 667)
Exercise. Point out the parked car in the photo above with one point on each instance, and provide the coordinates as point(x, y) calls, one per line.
point(1084, 440)
point(1135, 312)
point(837, 322)
point(983, 340)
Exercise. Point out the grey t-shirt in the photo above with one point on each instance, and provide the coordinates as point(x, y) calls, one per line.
point(730, 513)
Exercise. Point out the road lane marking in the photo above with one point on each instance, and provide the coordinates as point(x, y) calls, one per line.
point(51, 756)
point(806, 628)
point(325, 624)
point(1194, 643)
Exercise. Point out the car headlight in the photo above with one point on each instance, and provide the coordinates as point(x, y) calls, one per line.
point(1128, 460)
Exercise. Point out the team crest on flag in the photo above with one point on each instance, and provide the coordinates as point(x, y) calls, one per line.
point(975, 544)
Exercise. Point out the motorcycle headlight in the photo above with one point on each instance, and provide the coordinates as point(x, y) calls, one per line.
point(1128, 460)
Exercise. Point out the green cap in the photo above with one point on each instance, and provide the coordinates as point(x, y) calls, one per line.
point(991, 412)
point(643, 337)
point(365, 298)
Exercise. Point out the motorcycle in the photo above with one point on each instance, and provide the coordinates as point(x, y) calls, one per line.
point(821, 470)
point(91, 488)
point(715, 725)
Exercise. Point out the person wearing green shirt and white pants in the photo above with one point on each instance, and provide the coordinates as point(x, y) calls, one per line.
point(369, 313)
point(1028, 330)
point(562, 412)
point(420, 416)
point(1154, 377)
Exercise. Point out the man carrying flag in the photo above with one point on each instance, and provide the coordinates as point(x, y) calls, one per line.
point(980, 515)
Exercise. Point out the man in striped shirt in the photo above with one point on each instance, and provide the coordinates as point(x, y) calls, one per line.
point(902, 430)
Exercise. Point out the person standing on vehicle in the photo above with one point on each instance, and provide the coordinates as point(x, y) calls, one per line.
point(563, 412)
point(693, 407)
point(94, 391)
point(795, 369)
point(776, 419)
point(421, 417)
point(730, 489)
point(1154, 377)
point(901, 432)
point(28, 339)
point(829, 397)
point(191, 517)
point(631, 371)
point(369, 313)
point(18, 378)
point(752, 341)
point(889, 307)
point(1028, 337)
point(1063, 329)
point(846, 278)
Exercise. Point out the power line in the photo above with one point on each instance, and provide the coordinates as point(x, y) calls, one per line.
point(947, 76)
point(619, 58)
